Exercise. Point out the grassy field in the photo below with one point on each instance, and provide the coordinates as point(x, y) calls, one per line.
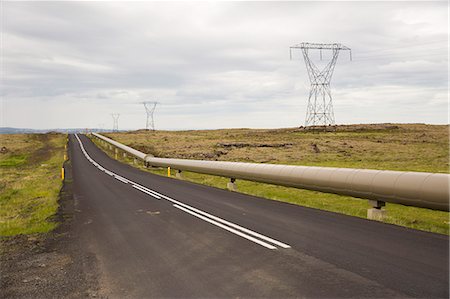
point(30, 180)
point(411, 147)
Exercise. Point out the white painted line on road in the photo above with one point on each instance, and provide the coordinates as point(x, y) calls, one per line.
point(122, 179)
point(250, 232)
point(101, 168)
point(267, 245)
point(145, 190)
point(245, 230)
point(229, 226)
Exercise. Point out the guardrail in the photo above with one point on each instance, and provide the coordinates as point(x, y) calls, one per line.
point(419, 189)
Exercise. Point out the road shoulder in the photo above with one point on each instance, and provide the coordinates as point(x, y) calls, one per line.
point(49, 265)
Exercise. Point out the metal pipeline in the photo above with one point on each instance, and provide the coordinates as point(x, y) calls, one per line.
point(121, 146)
point(419, 189)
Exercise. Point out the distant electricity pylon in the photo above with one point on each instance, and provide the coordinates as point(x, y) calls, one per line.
point(320, 103)
point(150, 109)
point(115, 117)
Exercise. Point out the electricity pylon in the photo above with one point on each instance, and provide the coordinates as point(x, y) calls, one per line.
point(150, 109)
point(115, 117)
point(319, 111)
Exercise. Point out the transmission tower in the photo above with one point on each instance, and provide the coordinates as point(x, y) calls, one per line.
point(319, 111)
point(115, 117)
point(150, 109)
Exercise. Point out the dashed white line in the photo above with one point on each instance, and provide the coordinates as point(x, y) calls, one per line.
point(217, 221)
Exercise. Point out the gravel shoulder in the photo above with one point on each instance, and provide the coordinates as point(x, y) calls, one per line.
point(52, 265)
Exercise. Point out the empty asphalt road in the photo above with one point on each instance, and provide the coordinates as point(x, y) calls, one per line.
point(154, 236)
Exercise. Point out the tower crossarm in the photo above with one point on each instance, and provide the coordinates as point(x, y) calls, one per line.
point(318, 46)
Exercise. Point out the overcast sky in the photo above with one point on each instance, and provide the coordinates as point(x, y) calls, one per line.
point(218, 65)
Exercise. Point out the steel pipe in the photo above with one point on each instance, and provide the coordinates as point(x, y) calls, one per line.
point(419, 189)
point(121, 146)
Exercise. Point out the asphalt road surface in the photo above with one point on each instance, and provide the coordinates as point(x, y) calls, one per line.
point(155, 236)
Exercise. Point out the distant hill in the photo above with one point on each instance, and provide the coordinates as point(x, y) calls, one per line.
point(9, 130)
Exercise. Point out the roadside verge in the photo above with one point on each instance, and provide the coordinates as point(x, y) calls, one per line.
point(52, 264)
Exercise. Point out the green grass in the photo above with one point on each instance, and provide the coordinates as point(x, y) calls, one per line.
point(30, 182)
point(14, 161)
point(393, 147)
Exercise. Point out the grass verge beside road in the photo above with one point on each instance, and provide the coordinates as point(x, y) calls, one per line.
point(392, 147)
point(30, 181)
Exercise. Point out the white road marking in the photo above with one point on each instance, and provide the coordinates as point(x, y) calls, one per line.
point(250, 232)
point(245, 230)
point(114, 175)
point(232, 230)
point(146, 191)
point(224, 224)
point(122, 179)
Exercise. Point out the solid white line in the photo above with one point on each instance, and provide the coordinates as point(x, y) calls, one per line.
point(245, 230)
point(146, 191)
point(267, 245)
point(123, 180)
point(193, 211)
point(250, 232)
point(153, 193)
point(217, 219)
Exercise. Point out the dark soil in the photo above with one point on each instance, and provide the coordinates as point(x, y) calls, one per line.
point(242, 145)
point(49, 265)
point(41, 154)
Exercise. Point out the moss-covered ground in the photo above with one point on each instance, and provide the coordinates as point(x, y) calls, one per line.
point(30, 181)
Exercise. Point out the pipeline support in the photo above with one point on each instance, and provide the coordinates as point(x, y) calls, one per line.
point(231, 185)
point(376, 212)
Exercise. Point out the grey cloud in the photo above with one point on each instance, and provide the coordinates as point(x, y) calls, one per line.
point(217, 61)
